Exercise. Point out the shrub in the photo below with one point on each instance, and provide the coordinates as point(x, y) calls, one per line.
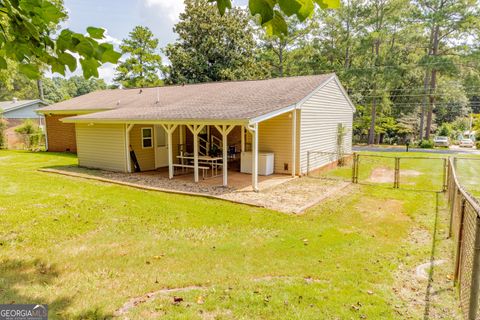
point(3, 127)
point(32, 135)
point(477, 144)
point(426, 144)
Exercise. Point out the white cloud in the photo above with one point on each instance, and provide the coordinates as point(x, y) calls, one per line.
point(107, 72)
point(108, 38)
point(166, 8)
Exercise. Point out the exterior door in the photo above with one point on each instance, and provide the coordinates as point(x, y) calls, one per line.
point(161, 147)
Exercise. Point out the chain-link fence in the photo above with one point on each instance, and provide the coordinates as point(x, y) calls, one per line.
point(406, 172)
point(465, 230)
point(329, 165)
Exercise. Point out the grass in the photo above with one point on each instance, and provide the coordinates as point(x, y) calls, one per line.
point(86, 248)
point(468, 172)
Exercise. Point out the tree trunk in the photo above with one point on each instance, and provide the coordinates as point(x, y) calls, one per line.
point(280, 60)
point(433, 83)
point(424, 105)
point(431, 106)
point(371, 133)
point(40, 89)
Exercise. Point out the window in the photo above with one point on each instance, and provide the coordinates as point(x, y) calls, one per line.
point(147, 138)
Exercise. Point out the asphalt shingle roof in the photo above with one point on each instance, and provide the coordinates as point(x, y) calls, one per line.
point(237, 100)
point(15, 104)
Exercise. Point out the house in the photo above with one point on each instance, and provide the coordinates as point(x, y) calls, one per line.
point(16, 112)
point(263, 124)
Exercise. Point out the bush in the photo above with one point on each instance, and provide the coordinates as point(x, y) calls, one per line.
point(32, 135)
point(3, 127)
point(477, 144)
point(445, 130)
point(426, 144)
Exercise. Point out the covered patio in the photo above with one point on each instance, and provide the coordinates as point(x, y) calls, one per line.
point(185, 148)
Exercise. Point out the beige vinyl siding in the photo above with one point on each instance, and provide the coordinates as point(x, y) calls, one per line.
point(101, 146)
point(275, 136)
point(320, 116)
point(145, 157)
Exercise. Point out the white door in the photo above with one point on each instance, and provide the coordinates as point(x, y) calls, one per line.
point(161, 147)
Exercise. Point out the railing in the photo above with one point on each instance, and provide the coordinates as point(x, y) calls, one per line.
point(203, 146)
point(465, 230)
point(216, 142)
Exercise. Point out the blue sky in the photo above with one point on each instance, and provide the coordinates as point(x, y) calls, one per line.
point(120, 16)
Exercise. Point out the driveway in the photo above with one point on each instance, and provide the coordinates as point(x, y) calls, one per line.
point(451, 150)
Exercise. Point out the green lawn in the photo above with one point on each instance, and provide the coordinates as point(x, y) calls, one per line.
point(468, 171)
point(86, 248)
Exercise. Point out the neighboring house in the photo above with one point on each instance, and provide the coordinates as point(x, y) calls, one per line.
point(16, 112)
point(286, 117)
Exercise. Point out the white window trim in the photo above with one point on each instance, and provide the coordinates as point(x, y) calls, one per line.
point(145, 138)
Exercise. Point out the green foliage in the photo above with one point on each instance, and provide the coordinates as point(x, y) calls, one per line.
point(32, 135)
point(272, 13)
point(143, 64)
point(212, 47)
point(58, 89)
point(26, 38)
point(445, 130)
point(3, 127)
point(426, 144)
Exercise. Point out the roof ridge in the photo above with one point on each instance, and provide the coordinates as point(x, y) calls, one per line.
point(224, 81)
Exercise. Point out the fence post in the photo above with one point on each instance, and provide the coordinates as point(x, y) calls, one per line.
point(445, 168)
point(354, 167)
point(473, 305)
point(459, 242)
point(396, 175)
point(308, 163)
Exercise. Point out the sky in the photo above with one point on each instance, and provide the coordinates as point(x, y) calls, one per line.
point(119, 17)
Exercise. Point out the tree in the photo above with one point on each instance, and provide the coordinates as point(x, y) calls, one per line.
point(212, 47)
point(446, 22)
point(26, 38)
point(3, 127)
point(278, 49)
point(58, 89)
point(143, 64)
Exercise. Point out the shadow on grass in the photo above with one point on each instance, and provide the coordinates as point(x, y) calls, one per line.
point(430, 292)
point(15, 274)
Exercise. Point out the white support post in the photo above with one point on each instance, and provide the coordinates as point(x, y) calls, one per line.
point(294, 142)
point(170, 128)
point(255, 157)
point(128, 128)
point(181, 136)
point(224, 131)
point(195, 129)
point(242, 132)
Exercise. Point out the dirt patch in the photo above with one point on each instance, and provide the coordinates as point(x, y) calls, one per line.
point(294, 196)
point(383, 209)
point(386, 175)
point(151, 296)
